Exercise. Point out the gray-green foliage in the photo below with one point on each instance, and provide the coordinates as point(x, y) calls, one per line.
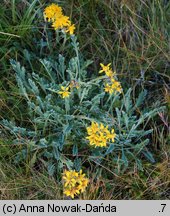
point(57, 133)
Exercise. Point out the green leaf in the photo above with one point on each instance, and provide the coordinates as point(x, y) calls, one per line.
point(51, 168)
point(67, 129)
point(149, 156)
point(127, 101)
point(124, 158)
point(140, 98)
point(77, 164)
point(75, 150)
point(110, 149)
point(56, 153)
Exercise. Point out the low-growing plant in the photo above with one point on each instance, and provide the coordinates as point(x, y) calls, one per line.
point(77, 118)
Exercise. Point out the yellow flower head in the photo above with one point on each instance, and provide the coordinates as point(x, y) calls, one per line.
point(99, 135)
point(71, 29)
point(110, 73)
point(113, 87)
point(52, 11)
point(105, 68)
point(74, 183)
point(64, 93)
point(108, 88)
point(59, 21)
point(116, 85)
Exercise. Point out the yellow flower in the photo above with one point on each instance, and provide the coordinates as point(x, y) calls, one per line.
point(52, 11)
point(93, 128)
point(105, 68)
point(116, 85)
point(71, 29)
point(83, 184)
point(108, 88)
point(74, 183)
point(69, 178)
point(71, 192)
point(113, 86)
point(110, 73)
point(61, 22)
point(99, 135)
point(110, 135)
point(64, 93)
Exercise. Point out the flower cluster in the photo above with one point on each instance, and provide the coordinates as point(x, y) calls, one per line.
point(112, 84)
point(74, 183)
point(98, 135)
point(53, 13)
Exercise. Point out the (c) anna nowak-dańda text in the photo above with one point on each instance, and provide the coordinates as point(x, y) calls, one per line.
point(67, 208)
